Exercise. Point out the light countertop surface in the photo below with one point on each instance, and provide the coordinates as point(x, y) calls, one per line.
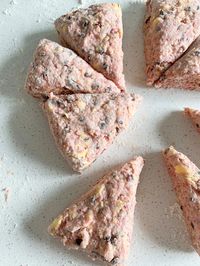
point(39, 181)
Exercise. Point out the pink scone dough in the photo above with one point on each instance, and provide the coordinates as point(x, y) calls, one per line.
point(59, 70)
point(185, 177)
point(101, 221)
point(185, 73)
point(194, 115)
point(170, 27)
point(95, 33)
point(84, 125)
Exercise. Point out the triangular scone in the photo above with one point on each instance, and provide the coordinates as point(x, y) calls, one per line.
point(170, 27)
point(59, 70)
point(84, 125)
point(186, 181)
point(185, 73)
point(96, 35)
point(194, 116)
point(101, 221)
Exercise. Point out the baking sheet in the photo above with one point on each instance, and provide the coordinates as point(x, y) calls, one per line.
point(40, 184)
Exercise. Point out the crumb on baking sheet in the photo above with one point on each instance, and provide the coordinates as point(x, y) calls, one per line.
point(6, 193)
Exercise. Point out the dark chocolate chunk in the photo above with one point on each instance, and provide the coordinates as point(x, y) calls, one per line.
point(192, 225)
point(81, 118)
point(105, 66)
point(113, 239)
point(147, 20)
point(188, 9)
point(102, 124)
point(115, 260)
point(95, 86)
point(78, 241)
point(197, 53)
point(129, 177)
point(87, 75)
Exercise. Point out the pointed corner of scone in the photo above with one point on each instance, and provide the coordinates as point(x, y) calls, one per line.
point(101, 221)
point(185, 176)
point(194, 116)
point(169, 150)
point(117, 8)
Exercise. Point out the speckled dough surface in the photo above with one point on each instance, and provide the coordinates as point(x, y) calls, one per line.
point(84, 125)
point(37, 184)
point(101, 221)
point(194, 115)
point(96, 35)
point(186, 181)
point(170, 27)
point(59, 70)
point(185, 72)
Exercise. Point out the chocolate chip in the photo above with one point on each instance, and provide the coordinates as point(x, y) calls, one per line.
point(129, 177)
point(60, 104)
point(162, 14)
point(66, 129)
point(107, 238)
point(181, 207)
point(166, 151)
point(115, 260)
point(45, 98)
point(97, 146)
point(197, 125)
point(44, 75)
point(188, 9)
point(84, 24)
point(119, 121)
point(113, 239)
point(102, 124)
point(117, 130)
point(105, 66)
point(42, 53)
point(81, 118)
point(100, 50)
point(87, 75)
point(69, 17)
point(197, 53)
point(114, 174)
point(78, 241)
point(108, 89)
point(198, 7)
point(192, 225)
point(113, 96)
point(95, 86)
point(147, 20)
